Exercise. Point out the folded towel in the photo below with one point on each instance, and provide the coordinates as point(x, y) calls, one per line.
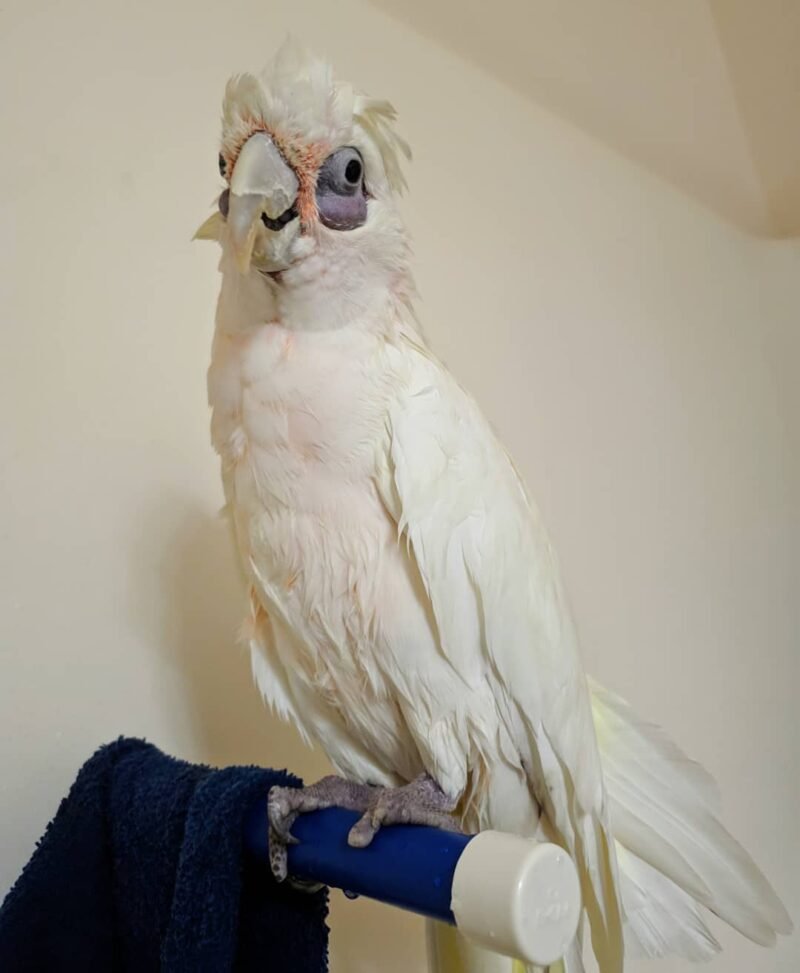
point(143, 869)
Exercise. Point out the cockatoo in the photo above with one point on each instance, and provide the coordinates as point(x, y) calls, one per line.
point(406, 608)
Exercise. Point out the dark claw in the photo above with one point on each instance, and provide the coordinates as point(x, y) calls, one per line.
point(278, 860)
point(223, 202)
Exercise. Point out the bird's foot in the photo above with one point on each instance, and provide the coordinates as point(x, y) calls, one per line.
point(420, 802)
point(285, 804)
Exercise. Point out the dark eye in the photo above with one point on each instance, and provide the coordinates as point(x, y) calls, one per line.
point(341, 199)
point(221, 164)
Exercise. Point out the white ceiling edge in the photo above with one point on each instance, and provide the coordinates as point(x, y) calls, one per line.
point(704, 93)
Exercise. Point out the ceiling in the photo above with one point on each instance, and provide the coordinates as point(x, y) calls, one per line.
point(705, 93)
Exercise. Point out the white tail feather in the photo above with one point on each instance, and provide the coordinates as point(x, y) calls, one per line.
point(660, 918)
point(674, 855)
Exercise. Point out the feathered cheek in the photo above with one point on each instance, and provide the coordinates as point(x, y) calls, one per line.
point(307, 199)
point(306, 160)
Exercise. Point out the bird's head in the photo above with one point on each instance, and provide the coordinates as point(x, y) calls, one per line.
point(312, 172)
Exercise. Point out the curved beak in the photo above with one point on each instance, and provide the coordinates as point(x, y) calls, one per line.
point(261, 182)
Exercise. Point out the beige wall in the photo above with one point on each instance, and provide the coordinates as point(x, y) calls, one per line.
point(638, 356)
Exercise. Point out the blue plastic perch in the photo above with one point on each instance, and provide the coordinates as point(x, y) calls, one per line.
point(509, 894)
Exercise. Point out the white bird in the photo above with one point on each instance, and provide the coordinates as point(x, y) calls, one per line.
point(407, 612)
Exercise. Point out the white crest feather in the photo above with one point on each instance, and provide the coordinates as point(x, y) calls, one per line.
point(298, 95)
point(377, 119)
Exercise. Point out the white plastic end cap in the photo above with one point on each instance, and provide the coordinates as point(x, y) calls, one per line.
point(518, 897)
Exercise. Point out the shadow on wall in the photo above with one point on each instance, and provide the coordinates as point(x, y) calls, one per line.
point(196, 600)
point(195, 604)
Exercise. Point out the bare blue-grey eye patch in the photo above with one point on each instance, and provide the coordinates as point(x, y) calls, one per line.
point(341, 197)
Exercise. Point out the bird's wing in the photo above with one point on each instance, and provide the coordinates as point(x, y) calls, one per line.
point(274, 651)
point(495, 594)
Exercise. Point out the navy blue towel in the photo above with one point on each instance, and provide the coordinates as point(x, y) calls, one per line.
point(143, 869)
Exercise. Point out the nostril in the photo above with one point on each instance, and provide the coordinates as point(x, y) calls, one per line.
point(279, 222)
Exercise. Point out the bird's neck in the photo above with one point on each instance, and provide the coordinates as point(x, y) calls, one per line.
point(315, 300)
